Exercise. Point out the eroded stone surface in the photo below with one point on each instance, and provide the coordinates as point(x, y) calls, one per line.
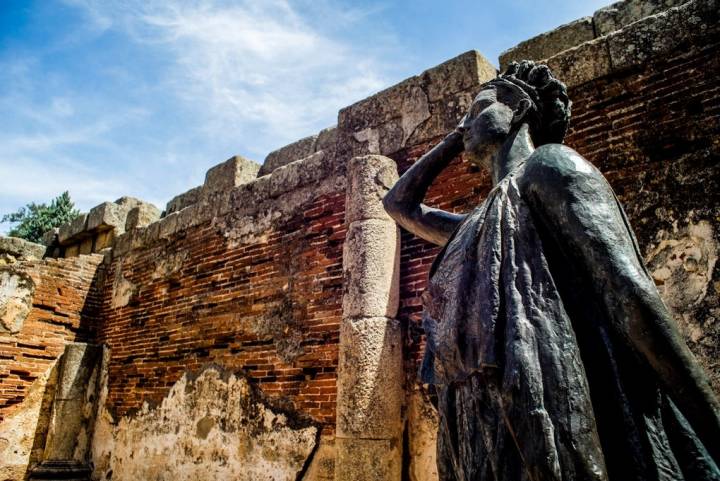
point(550, 43)
point(619, 14)
point(583, 63)
point(16, 298)
point(370, 384)
point(75, 404)
point(322, 466)
point(141, 216)
point(235, 171)
point(414, 110)
point(289, 153)
point(368, 459)
point(215, 426)
point(183, 200)
point(422, 425)
point(18, 431)
point(122, 290)
point(13, 249)
point(369, 179)
point(371, 266)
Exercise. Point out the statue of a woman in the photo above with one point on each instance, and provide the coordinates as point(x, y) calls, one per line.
point(553, 356)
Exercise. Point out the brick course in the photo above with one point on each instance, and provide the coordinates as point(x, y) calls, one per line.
point(269, 308)
point(65, 308)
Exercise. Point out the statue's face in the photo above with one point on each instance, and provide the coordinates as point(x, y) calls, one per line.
point(487, 126)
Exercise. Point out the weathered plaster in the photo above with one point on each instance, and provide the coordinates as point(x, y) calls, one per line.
point(16, 298)
point(422, 426)
point(23, 430)
point(215, 426)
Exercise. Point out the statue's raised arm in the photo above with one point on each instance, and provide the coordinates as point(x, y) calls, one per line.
point(404, 201)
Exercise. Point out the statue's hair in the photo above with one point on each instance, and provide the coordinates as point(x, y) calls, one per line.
point(550, 115)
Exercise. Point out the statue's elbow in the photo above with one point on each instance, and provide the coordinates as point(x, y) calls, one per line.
point(391, 205)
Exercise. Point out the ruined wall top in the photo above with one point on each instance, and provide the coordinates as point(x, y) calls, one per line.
point(617, 37)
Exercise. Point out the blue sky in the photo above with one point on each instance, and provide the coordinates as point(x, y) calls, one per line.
point(106, 98)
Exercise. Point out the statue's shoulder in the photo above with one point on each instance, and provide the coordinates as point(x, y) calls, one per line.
point(556, 166)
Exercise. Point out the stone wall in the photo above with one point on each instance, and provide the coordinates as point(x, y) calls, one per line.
point(45, 305)
point(267, 323)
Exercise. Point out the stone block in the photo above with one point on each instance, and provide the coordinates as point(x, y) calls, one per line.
point(50, 238)
point(21, 249)
point(326, 140)
point(550, 43)
point(289, 153)
point(223, 177)
point(86, 246)
point(66, 423)
point(76, 366)
point(322, 466)
point(179, 202)
point(17, 290)
point(72, 250)
point(387, 121)
point(467, 71)
point(370, 379)
point(368, 459)
point(668, 31)
point(619, 14)
point(369, 179)
point(299, 173)
point(74, 228)
point(168, 225)
point(75, 403)
point(422, 427)
point(583, 63)
point(371, 267)
point(104, 239)
point(106, 216)
point(141, 216)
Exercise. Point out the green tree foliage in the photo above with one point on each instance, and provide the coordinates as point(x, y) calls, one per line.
point(34, 220)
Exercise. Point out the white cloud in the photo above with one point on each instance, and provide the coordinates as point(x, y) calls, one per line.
point(187, 84)
point(249, 67)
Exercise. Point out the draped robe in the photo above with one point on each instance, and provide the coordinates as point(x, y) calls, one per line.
point(529, 352)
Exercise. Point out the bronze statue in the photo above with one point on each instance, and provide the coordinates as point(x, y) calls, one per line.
point(553, 356)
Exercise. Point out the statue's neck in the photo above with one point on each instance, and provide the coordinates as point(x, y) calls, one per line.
point(514, 151)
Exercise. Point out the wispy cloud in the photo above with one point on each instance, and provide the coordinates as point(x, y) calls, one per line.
point(186, 84)
point(250, 66)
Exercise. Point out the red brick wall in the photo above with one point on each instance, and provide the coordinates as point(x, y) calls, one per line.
point(270, 308)
point(654, 132)
point(64, 310)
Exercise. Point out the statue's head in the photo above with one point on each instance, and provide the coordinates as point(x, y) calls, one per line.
point(524, 94)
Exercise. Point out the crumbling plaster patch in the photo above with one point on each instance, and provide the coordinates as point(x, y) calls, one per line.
point(682, 265)
point(422, 426)
point(19, 430)
point(683, 262)
point(215, 426)
point(16, 297)
point(122, 289)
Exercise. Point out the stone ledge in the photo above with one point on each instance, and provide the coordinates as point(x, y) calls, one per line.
point(283, 192)
point(95, 231)
point(180, 201)
point(14, 249)
point(568, 47)
point(549, 43)
point(415, 110)
point(323, 141)
point(618, 15)
point(686, 26)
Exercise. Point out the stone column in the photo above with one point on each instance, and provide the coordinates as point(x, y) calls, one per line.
point(370, 374)
point(72, 417)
